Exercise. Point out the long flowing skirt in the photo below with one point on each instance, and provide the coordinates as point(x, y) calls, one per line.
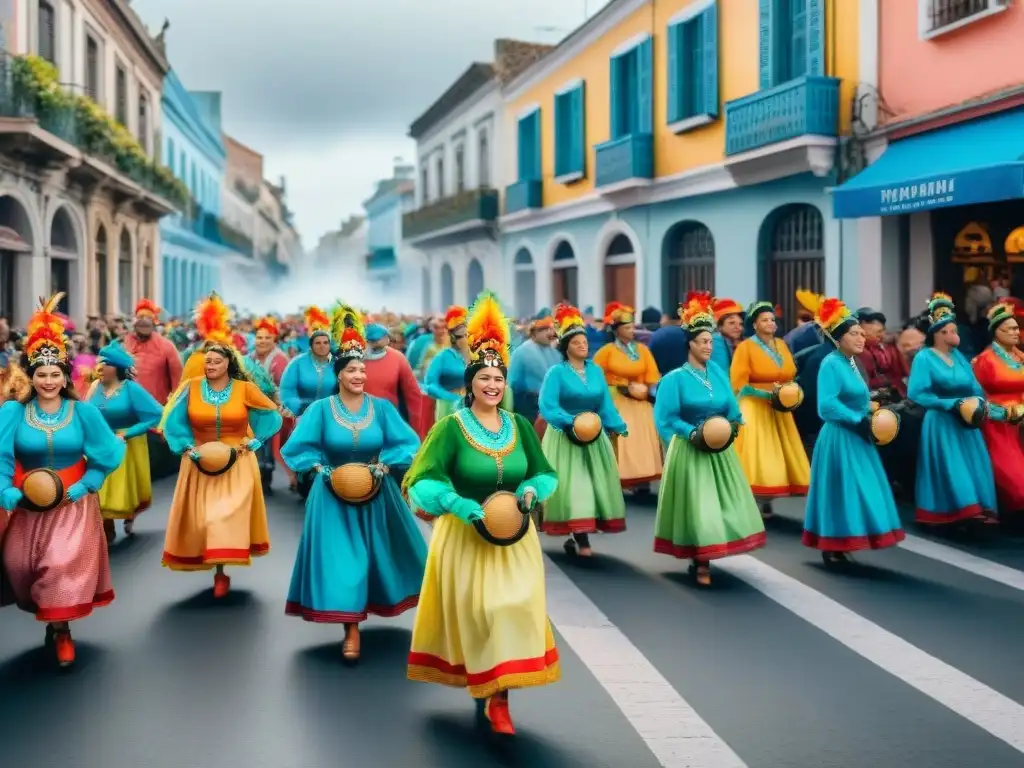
point(639, 455)
point(954, 472)
point(771, 451)
point(705, 508)
point(589, 494)
point(56, 562)
point(850, 506)
point(216, 520)
point(128, 490)
point(482, 621)
point(355, 561)
point(1004, 446)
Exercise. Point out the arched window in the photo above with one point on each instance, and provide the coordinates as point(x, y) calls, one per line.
point(620, 271)
point(102, 271)
point(689, 262)
point(565, 275)
point(447, 286)
point(15, 240)
point(525, 283)
point(474, 281)
point(124, 274)
point(795, 257)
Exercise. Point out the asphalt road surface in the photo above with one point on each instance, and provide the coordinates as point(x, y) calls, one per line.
point(914, 658)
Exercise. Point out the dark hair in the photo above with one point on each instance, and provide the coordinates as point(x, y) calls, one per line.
point(563, 342)
point(67, 391)
point(235, 371)
point(341, 362)
point(471, 371)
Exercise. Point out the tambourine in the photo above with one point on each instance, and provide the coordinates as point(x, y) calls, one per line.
point(972, 411)
point(215, 458)
point(714, 434)
point(585, 429)
point(354, 483)
point(787, 397)
point(42, 491)
point(885, 425)
point(1011, 414)
point(504, 523)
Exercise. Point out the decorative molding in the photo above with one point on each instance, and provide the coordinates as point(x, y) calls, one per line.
point(553, 242)
point(924, 6)
point(690, 12)
point(569, 87)
point(630, 43)
point(691, 123)
point(528, 110)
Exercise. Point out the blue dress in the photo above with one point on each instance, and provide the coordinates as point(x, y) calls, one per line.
point(445, 381)
point(849, 505)
point(305, 381)
point(354, 560)
point(954, 470)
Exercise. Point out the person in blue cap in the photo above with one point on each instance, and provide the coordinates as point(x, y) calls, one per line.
point(131, 412)
point(389, 375)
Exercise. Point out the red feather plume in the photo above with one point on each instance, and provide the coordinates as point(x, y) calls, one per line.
point(454, 317)
point(830, 313)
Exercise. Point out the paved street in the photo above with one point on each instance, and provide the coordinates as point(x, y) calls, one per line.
point(913, 659)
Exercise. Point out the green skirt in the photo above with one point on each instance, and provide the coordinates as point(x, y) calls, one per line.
point(706, 509)
point(589, 494)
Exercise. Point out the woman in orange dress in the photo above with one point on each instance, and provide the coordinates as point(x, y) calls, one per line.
point(1000, 371)
point(632, 377)
point(218, 520)
point(768, 444)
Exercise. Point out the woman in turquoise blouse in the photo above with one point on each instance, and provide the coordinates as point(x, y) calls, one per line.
point(589, 495)
point(444, 378)
point(131, 412)
point(706, 509)
point(56, 562)
point(354, 560)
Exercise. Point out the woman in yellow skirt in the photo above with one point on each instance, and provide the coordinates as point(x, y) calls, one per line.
point(769, 445)
point(131, 412)
point(632, 377)
point(218, 520)
point(482, 621)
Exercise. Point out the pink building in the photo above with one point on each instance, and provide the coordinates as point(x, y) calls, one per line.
point(938, 206)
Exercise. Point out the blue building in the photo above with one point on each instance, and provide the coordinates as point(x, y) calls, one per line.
point(384, 210)
point(193, 242)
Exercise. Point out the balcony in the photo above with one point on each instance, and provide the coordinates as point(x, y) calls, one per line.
point(524, 196)
point(208, 226)
point(381, 260)
point(807, 106)
point(629, 159)
point(459, 213)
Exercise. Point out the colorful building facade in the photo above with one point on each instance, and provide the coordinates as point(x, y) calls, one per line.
point(384, 209)
point(938, 205)
point(679, 145)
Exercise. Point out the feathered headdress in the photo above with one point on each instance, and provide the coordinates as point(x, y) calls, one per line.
point(488, 332)
point(316, 320)
point(568, 321)
point(809, 300)
point(1004, 310)
point(543, 319)
point(347, 331)
point(697, 313)
point(941, 311)
point(45, 342)
point(267, 324)
point(617, 313)
point(147, 308)
point(454, 317)
point(722, 308)
point(213, 320)
point(830, 315)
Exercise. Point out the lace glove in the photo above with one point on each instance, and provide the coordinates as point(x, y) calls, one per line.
point(467, 510)
point(10, 498)
point(77, 492)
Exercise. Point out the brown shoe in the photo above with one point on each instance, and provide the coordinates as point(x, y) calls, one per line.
point(350, 645)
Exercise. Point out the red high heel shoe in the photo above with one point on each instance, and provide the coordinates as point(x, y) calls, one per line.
point(221, 585)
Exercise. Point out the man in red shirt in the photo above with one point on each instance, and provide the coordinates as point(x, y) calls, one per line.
point(884, 366)
point(389, 375)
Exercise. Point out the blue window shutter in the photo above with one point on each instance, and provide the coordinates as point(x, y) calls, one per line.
point(523, 148)
point(615, 93)
point(816, 37)
point(559, 134)
point(766, 54)
point(644, 87)
point(578, 142)
point(709, 73)
point(535, 168)
point(675, 82)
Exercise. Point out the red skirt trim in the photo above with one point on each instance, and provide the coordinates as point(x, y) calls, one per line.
point(714, 551)
point(778, 491)
point(852, 543)
point(218, 556)
point(587, 525)
point(956, 516)
point(635, 481)
point(74, 612)
point(345, 617)
point(475, 679)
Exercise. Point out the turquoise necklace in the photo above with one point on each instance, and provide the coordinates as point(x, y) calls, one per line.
point(1006, 357)
point(216, 399)
point(701, 376)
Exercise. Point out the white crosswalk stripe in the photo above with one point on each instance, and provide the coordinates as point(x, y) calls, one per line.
point(965, 561)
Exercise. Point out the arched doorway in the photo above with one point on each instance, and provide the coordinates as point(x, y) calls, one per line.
point(426, 288)
point(689, 258)
point(15, 243)
point(124, 273)
point(525, 283)
point(102, 271)
point(565, 280)
point(474, 280)
point(63, 256)
point(793, 257)
point(447, 287)
point(620, 271)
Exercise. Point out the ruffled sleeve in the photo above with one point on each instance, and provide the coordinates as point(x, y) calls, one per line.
point(550, 404)
point(540, 477)
point(263, 414)
point(11, 413)
point(304, 449)
point(668, 418)
point(830, 387)
point(103, 451)
point(400, 440)
point(176, 427)
point(289, 389)
point(147, 410)
point(428, 481)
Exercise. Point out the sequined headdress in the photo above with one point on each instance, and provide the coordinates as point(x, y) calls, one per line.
point(213, 321)
point(488, 333)
point(45, 342)
point(617, 313)
point(696, 313)
point(347, 332)
point(568, 321)
point(941, 311)
point(834, 318)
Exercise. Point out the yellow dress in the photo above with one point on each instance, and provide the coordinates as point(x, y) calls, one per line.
point(222, 519)
point(768, 444)
point(640, 453)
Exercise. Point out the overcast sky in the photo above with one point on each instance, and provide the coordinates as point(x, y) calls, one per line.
point(326, 89)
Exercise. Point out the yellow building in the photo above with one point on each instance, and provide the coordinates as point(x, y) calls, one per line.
point(673, 145)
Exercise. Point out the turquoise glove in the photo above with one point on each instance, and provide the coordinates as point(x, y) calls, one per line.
point(77, 492)
point(254, 445)
point(467, 510)
point(10, 498)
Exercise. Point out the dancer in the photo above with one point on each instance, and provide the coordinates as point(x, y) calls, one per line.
point(769, 445)
point(444, 377)
point(706, 510)
point(589, 495)
point(131, 412)
point(954, 472)
point(482, 621)
point(632, 375)
point(728, 333)
point(850, 506)
point(218, 520)
point(267, 358)
point(56, 561)
point(354, 559)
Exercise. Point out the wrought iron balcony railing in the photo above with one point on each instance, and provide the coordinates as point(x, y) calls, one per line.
point(461, 208)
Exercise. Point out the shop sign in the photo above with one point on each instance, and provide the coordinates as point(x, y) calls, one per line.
point(915, 197)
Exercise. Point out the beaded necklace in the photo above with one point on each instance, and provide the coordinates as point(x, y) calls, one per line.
point(1007, 358)
point(216, 399)
point(49, 423)
point(497, 445)
point(108, 395)
point(701, 376)
point(629, 348)
point(581, 373)
point(319, 368)
point(353, 422)
point(771, 351)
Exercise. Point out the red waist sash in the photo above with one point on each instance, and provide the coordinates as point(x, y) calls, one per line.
point(69, 475)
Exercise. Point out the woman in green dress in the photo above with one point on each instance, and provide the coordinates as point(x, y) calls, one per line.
point(482, 621)
point(706, 509)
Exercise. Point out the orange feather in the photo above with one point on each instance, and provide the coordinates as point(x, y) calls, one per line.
point(316, 319)
point(454, 317)
point(487, 327)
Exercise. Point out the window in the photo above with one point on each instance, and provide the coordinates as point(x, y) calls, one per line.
point(792, 40)
point(630, 96)
point(47, 32)
point(440, 175)
point(483, 160)
point(92, 67)
point(172, 158)
point(940, 16)
point(529, 147)
point(144, 121)
point(693, 67)
point(425, 184)
point(121, 96)
point(570, 134)
point(460, 168)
